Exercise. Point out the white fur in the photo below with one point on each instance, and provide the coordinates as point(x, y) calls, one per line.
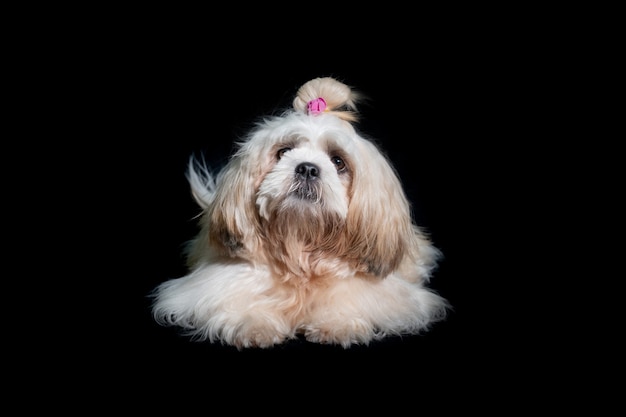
point(306, 231)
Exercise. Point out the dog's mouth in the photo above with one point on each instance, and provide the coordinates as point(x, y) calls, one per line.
point(306, 190)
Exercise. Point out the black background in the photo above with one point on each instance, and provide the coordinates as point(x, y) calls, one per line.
point(439, 106)
point(477, 108)
point(433, 121)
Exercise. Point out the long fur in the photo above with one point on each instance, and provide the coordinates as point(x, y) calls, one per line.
point(306, 231)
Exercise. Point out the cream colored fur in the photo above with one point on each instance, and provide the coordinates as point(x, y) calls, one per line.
point(306, 231)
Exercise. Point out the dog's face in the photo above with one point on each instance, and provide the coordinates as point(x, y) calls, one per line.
point(308, 172)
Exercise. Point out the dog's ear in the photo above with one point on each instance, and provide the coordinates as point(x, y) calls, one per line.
point(231, 217)
point(380, 229)
point(228, 218)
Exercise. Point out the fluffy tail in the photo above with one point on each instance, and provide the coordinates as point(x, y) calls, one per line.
point(202, 182)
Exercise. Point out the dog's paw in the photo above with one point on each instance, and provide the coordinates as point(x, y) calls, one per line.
point(257, 339)
point(345, 334)
point(249, 332)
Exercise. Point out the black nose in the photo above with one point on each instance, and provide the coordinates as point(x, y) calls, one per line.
point(307, 170)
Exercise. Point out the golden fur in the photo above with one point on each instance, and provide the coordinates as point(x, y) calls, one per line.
point(306, 231)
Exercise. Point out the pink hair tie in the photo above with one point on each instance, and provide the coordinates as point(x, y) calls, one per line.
point(316, 106)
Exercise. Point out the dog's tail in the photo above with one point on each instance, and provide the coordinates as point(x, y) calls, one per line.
point(202, 181)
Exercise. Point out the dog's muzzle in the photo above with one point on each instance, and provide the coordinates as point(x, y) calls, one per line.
point(306, 181)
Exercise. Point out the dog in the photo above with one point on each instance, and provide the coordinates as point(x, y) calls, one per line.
point(306, 232)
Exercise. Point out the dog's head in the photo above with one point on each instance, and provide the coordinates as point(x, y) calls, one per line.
point(305, 193)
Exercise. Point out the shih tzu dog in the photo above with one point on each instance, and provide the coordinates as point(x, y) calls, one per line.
point(306, 232)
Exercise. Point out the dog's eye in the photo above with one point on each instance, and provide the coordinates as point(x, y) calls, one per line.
point(339, 163)
point(282, 152)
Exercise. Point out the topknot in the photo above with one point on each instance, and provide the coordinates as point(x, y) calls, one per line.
point(335, 97)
